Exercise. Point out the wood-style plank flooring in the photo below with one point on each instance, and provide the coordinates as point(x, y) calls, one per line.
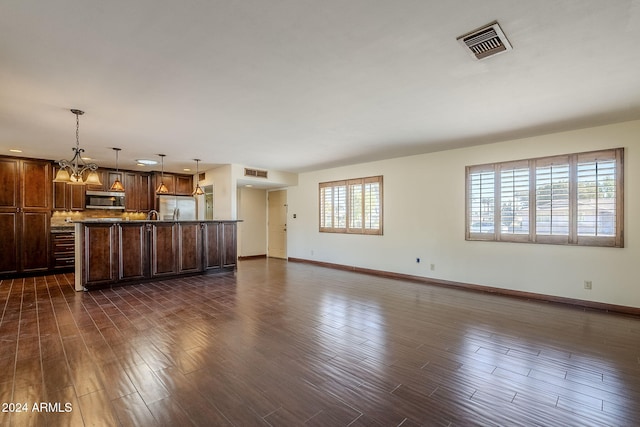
point(289, 344)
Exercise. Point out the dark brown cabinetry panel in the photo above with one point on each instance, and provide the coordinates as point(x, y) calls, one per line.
point(36, 184)
point(67, 197)
point(229, 253)
point(98, 265)
point(35, 240)
point(9, 183)
point(211, 246)
point(145, 196)
point(184, 185)
point(164, 249)
point(137, 190)
point(62, 249)
point(131, 191)
point(9, 251)
point(179, 185)
point(190, 247)
point(137, 250)
point(133, 247)
point(25, 212)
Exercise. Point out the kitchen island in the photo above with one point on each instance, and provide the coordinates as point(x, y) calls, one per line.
point(111, 253)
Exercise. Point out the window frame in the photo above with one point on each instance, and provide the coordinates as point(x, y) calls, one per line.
point(533, 165)
point(348, 228)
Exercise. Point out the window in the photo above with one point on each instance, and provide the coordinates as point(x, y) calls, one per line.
point(351, 206)
point(571, 199)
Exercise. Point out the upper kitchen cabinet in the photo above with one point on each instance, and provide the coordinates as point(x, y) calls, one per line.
point(67, 197)
point(25, 212)
point(168, 179)
point(184, 185)
point(178, 185)
point(9, 183)
point(25, 184)
point(138, 192)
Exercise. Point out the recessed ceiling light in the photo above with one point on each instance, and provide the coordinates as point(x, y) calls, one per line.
point(186, 170)
point(146, 162)
point(15, 150)
point(86, 158)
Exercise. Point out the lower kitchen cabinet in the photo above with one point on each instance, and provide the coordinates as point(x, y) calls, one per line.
point(190, 247)
point(212, 258)
point(133, 245)
point(164, 249)
point(62, 250)
point(98, 263)
point(129, 251)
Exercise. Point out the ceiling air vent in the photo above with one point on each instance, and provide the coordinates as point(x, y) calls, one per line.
point(255, 172)
point(485, 41)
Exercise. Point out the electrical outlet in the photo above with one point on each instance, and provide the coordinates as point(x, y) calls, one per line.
point(432, 267)
point(588, 285)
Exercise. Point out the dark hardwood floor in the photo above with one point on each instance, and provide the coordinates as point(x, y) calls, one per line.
point(287, 344)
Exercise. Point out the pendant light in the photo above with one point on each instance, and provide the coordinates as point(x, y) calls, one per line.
point(162, 189)
point(71, 171)
point(117, 185)
point(198, 190)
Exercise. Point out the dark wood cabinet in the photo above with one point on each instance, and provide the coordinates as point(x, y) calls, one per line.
point(164, 249)
point(140, 250)
point(145, 193)
point(98, 255)
point(35, 230)
point(62, 250)
point(220, 245)
point(137, 190)
point(228, 244)
point(9, 250)
point(25, 212)
point(133, 240)
point(189, 247)
point(178, 185)
point(67, 197)
point(184, 185)
point(212, 259)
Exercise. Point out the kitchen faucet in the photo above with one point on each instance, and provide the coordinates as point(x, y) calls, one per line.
point(151, 213)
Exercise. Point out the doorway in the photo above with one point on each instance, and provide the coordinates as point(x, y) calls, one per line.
point(277, 224)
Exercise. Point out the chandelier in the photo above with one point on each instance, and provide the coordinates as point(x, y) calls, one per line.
point(72, 171)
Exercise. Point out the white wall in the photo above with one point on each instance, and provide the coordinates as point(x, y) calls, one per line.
point(252, 231)
point(424, 203)
point(224, 193)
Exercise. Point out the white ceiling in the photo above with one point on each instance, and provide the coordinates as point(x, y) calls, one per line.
point(297, 85)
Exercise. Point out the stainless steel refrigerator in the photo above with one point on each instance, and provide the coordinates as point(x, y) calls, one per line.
point(176, 207)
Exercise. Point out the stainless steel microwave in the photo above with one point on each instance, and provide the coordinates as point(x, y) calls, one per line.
point(104, 200)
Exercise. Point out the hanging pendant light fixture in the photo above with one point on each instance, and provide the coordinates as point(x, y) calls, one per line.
point(198, 190)
point(162, 189)
point(117, 184)
point(71, 171)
